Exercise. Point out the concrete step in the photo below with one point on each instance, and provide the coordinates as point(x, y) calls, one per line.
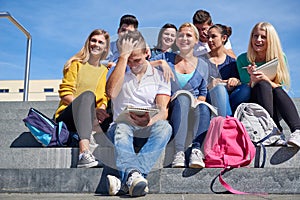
point(28, 167)
point(34, 158)
point(273, 181)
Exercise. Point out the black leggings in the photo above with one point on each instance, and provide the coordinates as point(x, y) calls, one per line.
point(80, 115)
point(277, 102)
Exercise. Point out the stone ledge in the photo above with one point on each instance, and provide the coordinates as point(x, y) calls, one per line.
point(273, 181)
point(33, 158)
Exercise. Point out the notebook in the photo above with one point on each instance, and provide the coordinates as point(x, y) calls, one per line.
point(269, 68)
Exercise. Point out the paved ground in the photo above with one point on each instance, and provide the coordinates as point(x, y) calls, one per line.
point(56, 196)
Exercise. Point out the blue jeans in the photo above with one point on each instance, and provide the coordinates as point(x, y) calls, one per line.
point(152, 140)
point(241, 94)
point(181, 112)
point(218, 97)
point(227, 103)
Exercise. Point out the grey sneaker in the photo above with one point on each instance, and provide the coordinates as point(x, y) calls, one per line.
point(113, 185)
point(295, 139)
point(196, 159)
point(137, 184)
point(87, 160)
point(179, 160)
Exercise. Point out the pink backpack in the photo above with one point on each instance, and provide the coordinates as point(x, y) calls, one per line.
point(227, 145)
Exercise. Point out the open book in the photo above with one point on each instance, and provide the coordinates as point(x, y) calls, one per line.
point(124, 115)
point(193, 102)
point(269, 68)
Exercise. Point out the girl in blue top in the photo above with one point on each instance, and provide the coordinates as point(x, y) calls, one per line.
point(225, 90)
point(190, 73)
point(166, 40)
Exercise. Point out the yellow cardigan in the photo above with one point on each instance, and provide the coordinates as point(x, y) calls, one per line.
point(82, 77)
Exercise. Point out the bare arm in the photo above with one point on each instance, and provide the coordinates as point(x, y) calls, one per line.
point(67, 99)
point(115, 81)
point(162, 103)
point(167, 71)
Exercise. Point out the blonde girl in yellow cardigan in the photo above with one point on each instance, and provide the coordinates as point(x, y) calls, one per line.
point(82, 92)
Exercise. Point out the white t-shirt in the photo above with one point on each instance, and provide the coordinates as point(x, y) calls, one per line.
point(203, 48)
point(143, 93)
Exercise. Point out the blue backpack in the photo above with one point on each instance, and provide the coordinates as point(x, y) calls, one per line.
point(45, 130)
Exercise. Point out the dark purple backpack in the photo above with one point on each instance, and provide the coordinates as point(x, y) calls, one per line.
point(45, 130)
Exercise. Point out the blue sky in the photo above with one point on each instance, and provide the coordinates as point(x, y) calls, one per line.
point(59, 28)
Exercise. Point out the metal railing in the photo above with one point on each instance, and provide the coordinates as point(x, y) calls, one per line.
point(28, 53)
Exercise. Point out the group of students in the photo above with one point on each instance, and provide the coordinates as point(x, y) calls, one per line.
point(196, 57)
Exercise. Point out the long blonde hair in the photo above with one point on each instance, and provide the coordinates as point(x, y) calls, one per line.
point(84, 54)
point(274, 50)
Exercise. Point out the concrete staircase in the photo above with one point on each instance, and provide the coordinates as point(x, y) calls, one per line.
point(27, 167)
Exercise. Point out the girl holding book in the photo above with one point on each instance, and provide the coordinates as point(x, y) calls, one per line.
point(264, 45)
point(190, 74)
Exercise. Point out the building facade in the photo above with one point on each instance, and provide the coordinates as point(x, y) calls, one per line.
point(39, 90)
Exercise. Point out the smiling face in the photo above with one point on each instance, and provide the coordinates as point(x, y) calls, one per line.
point(259, 40)
point(215, 39)
point(97, 45)
point(168, 38)
point(137, 61)
point(186, 39)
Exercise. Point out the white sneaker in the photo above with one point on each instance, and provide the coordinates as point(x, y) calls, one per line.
point(137, 184)
point(179, 160)
point(295, 139)
point(113, 185)
point(196, 159)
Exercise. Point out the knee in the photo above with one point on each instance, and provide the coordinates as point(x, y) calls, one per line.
point(182, 101)
point(278, 91)
point(264, 85)
point(242, 92)
point(120, 130)
point(87, 96)
point(163, 126)
point(218, 91)
point(204, 109)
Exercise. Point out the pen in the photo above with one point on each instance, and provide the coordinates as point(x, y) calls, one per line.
point(248, 66)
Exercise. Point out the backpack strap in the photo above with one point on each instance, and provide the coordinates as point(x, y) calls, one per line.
point(58, 131)
point(229, 188)
point(264, 148)
point(226, 185)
